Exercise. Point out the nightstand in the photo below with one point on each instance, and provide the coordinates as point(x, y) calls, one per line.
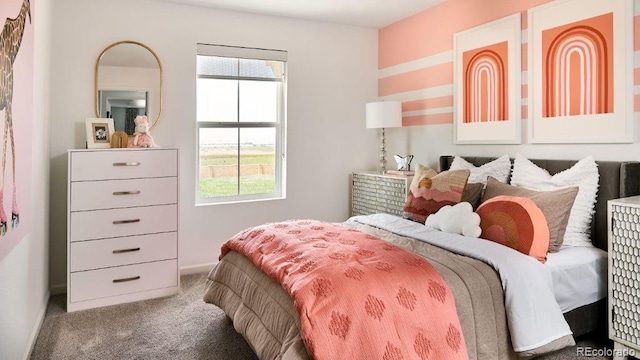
point(624, 275)
point(375, 193)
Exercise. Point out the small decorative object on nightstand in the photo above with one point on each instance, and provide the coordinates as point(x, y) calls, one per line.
point(381, 115)
point(404, 162)
point(375, 193)
point(624, 276)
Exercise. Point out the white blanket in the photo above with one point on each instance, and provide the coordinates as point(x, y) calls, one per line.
point(533, 314)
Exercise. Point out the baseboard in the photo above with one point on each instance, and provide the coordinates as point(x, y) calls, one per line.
point(58, 289)
point(62, 288)
point(36, 328)
point(195, 269)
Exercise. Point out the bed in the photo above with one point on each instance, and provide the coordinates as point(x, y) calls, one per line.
point(266, 316)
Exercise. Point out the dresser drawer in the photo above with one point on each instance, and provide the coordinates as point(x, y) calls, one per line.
point(95, 284)
point(109, 194)
point(97, 254)
point(123, 164)
point(100, 224)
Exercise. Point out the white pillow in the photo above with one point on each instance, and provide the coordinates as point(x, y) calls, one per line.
point(584, 175)
point(456, 219)
point(498, 168)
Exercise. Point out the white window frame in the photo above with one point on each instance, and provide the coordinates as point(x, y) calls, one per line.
point(279, 125)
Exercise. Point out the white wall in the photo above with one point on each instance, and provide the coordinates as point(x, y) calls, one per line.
point(428, 142)
point(332, 74)
point(24, 272)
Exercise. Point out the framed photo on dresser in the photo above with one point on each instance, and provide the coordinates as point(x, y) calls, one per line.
point(99, 132)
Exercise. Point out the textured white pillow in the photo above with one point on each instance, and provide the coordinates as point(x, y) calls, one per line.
point(456, 219)
point(584, 175)
point(498, 168)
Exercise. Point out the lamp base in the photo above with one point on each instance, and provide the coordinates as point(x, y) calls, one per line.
point(382, 164)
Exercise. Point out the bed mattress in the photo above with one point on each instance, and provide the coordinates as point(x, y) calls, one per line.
point(265, 315)
point(579, 276)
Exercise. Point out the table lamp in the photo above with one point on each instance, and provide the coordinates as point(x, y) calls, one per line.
point(381, 115)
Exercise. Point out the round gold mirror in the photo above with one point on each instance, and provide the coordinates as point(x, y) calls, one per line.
point(128, 83)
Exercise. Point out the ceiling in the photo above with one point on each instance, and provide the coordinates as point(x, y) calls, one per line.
point(365, 13)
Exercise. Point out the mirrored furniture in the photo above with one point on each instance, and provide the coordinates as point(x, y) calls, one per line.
point(373, 193)
point(128, 83)
point(624, 276)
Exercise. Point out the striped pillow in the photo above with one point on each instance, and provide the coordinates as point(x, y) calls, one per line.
point(555, 205)
point(429, 191)
point(516, 222)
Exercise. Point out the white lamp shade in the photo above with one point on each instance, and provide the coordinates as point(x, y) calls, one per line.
point(384, 114)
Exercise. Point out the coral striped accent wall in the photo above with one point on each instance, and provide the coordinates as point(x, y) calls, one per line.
point(415, 56)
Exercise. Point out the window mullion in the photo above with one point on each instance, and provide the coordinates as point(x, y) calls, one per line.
point(214, 125)
point(227, 77)
point(238, 121)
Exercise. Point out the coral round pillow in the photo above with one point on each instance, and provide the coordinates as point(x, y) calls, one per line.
point(515, 222)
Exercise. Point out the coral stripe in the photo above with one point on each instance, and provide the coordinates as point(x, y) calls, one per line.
point(443, 101)
point(525, 112)
point(525, 91)
point(445, 118)
point(524, 20)
point(430, 32)
point(428, 77)
point(636, 103)
point(636, 75)
point(524, 57)
point(636, 31)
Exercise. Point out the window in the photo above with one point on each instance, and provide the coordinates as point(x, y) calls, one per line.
point(241, 102)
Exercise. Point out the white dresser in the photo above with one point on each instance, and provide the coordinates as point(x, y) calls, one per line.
point(122, 226)
point(624, 276)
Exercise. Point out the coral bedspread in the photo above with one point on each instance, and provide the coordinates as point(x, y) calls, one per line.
point(352, 290)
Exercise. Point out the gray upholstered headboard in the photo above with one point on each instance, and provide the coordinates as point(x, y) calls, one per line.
point(617, 179)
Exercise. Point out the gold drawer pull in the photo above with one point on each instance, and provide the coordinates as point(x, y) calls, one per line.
point(132, 163)
point(136, 192)
point(126, 279)
point(116, 222)
point(126, 250)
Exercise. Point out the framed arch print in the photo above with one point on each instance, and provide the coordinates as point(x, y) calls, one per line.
point(580, 74)
point(487, 75)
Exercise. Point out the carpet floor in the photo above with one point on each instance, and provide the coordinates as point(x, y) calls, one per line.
point(176, 327)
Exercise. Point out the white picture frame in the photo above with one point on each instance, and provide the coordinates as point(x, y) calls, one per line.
point(99, 132)
point(553, 117)
point(473, 122)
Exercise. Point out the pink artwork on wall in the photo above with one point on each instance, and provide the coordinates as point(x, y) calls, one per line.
point(486, 96)
point(577, 60)
point(580, 73)
point(16, 113)
point(486, 83)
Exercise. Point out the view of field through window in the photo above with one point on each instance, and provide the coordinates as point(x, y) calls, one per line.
point(219, 162)
point(238, 113)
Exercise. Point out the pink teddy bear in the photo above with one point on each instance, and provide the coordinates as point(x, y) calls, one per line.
point(141, 138)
